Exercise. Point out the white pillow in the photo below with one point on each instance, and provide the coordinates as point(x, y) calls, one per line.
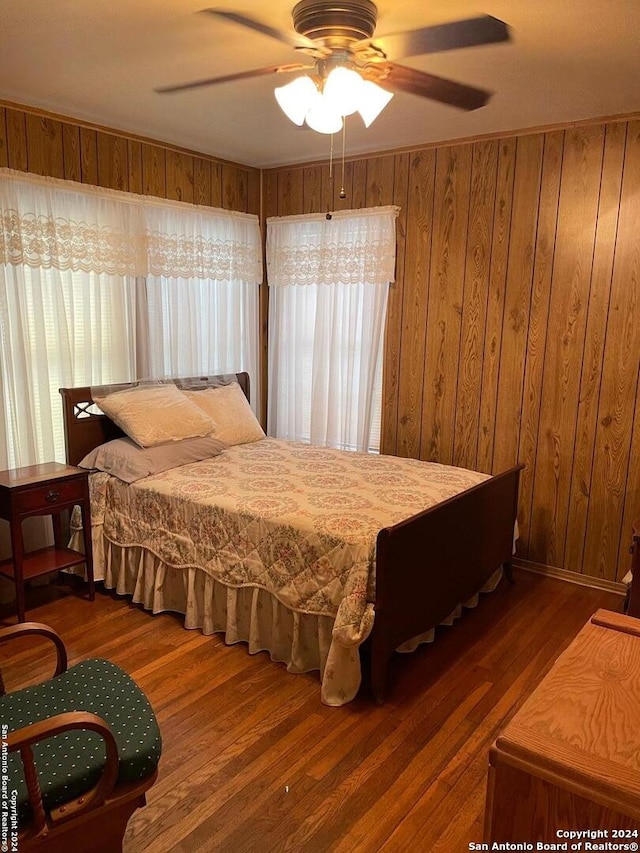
point(230, 409)
point(155, 414)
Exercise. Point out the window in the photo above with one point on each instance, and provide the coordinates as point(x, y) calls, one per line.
point(58, 328)
point(98, 287)
point(329, 282)
point(201, 293)
point(199, 327)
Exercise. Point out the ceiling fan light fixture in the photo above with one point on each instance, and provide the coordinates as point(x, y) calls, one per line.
point(296, 98)
point(343, 90)
point(340, 37)
point(373, 99)
point(322, 117)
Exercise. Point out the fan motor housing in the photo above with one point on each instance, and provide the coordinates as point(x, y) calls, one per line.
point(336, 23)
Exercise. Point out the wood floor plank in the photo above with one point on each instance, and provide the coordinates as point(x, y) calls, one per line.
point(252, 761)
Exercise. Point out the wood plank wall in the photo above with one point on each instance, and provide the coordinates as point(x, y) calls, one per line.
point(37, 143)
point(513, 329)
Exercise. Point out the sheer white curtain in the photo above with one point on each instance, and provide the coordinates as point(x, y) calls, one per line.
point(84, 270)
point(58, 328)
point(329, 281)
point(202, 294)
point(68, 261)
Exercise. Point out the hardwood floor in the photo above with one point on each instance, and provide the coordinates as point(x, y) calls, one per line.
point(252, 760)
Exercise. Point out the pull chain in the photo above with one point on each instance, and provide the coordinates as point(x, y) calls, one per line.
point(344, 134)
point(331, 166)
point(330, 178)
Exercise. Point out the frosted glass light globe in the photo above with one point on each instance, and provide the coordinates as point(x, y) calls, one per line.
point(296, 98)
point(323, 118)
point(373, 99)
point(342, 89)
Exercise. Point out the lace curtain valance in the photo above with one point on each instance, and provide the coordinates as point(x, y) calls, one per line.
point(351, 247)
point(49, 223)
point(198, 244)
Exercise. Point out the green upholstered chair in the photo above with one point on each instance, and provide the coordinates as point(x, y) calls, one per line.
point(83, 747)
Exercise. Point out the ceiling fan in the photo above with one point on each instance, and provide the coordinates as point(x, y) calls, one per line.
point(339, 34)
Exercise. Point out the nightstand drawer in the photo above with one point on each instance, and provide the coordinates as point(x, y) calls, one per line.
point(50, 495)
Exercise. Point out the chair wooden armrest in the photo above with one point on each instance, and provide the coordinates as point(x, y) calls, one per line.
point(22, 739)
point(93, 820)
point(35, 629)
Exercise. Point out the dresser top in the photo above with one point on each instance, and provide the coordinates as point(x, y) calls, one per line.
point(33, 474)
point(583, 719)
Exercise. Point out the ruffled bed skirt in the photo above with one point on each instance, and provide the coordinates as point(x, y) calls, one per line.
point(251, 615)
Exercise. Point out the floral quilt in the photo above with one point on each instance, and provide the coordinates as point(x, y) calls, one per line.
point(298, 521)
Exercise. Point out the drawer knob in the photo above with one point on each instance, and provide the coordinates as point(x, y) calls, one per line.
point(53, 496)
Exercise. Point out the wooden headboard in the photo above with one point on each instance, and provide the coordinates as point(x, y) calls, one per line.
point(84, 429)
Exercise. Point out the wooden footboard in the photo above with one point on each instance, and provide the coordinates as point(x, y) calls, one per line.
point(429, 563)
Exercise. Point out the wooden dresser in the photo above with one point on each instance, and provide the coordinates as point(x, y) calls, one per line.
point(633, 606)
point(570, 758)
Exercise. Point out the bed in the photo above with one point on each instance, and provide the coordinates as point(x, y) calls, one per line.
point(248, 542)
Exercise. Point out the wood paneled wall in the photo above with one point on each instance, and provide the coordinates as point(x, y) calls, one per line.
point(513, 329)
point(44, 145)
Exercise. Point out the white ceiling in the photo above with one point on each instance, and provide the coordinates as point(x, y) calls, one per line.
point(100, 62)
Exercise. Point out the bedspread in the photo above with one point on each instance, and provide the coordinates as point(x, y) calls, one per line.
point(298, 521)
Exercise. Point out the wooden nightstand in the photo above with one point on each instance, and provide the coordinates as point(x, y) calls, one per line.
point(44, 489)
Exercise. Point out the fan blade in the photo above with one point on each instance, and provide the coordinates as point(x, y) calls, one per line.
point(457, 34)
point(279, 35)
point(228, 78)
point(392, 76)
